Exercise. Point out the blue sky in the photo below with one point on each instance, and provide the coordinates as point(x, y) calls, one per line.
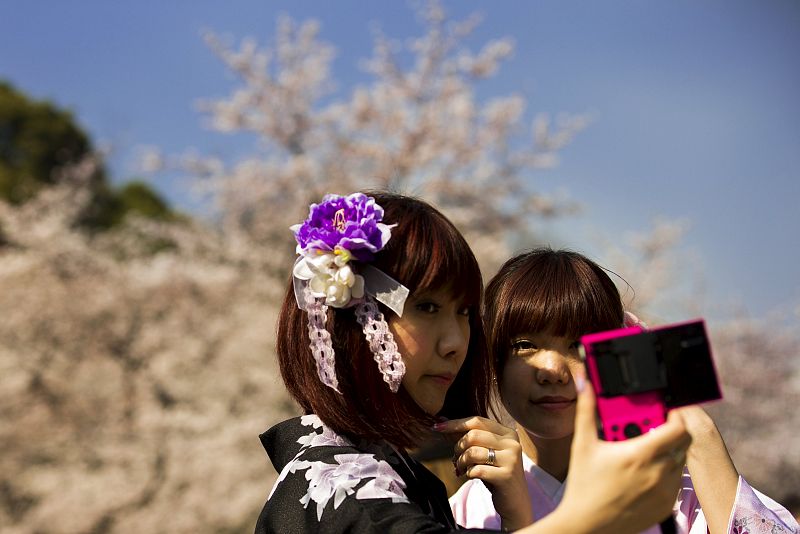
point(695, 104)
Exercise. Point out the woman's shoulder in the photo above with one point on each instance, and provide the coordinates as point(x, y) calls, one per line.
point(333, 483)
point(321, 472)
point(307, 438)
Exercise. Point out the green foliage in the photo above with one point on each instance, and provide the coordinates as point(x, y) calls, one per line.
point(37, 138)
point(137, 197)
point(110, 206)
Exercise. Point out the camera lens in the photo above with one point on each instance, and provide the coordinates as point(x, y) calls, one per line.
point(632, 430)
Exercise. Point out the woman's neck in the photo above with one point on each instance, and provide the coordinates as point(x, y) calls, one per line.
point(552, 455)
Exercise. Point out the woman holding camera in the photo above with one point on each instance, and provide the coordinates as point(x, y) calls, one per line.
point(536, 308)
point(379, 337)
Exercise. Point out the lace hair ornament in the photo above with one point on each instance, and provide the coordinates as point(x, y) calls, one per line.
point(381, 343)
point(340, 230)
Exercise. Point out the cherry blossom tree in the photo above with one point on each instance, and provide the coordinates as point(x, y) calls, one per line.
point(133, 383)
point(137, 367)
point(419, 130)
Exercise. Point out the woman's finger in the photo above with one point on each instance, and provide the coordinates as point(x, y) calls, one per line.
point(485, 456)
point(455, 426)
point(481, 438)
point(666, 439)
point(585, 412)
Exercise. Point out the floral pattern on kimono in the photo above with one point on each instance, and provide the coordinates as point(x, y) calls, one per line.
point(752, 513)
point(331, 483)
point(338, 480)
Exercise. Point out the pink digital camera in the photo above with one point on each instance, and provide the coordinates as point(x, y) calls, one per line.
point(638, 375)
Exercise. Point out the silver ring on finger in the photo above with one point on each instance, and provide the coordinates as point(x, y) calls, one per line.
point(491, 456)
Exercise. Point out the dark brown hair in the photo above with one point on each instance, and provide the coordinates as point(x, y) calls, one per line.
point(425, 252)
point(560, 292)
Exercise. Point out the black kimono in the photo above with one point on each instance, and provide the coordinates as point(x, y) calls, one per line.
point(329, 483)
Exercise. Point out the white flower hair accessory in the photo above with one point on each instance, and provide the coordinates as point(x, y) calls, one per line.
point(340, 233)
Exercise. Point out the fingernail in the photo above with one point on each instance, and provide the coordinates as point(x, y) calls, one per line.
point(580, 383)
point(440, 423)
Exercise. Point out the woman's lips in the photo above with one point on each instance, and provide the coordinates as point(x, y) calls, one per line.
point(553, 402)
point(444, 379)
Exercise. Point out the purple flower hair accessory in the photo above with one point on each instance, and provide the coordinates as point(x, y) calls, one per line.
point(340, 229)
point(351, 223)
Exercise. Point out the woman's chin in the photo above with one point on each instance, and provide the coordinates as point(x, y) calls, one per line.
point(432, 409)
point(551, 436)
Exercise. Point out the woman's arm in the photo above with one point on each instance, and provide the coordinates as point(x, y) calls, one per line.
point(714, 476)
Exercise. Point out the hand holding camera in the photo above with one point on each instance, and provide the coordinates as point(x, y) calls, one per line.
point(639, 375)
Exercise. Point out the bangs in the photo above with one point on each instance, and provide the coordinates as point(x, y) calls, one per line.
point(558, 292)
point(563, 302)
point(428, 253)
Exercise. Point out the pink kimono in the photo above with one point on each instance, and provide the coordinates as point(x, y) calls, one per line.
point(753, 512)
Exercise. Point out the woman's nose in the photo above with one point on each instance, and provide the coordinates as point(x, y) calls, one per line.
point(552, 368)
point(454, 337)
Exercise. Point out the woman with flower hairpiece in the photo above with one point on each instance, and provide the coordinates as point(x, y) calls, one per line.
point(537, 307)
point(381, 343)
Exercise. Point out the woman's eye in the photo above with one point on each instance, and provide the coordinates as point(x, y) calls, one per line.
point(427, 307)
point(465, 310)
point(522, 345)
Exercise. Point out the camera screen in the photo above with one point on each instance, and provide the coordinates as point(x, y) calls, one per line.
point(675, 359)
point(690, 369)
point(629, 365)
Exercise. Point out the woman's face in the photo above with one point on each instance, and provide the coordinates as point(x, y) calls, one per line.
point(433, 337)
point(537, 387)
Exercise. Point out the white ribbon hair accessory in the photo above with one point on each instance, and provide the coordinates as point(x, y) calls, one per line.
point(337, 231)
point(361, 291)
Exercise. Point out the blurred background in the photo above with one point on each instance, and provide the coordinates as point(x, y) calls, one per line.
point(153, 155)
